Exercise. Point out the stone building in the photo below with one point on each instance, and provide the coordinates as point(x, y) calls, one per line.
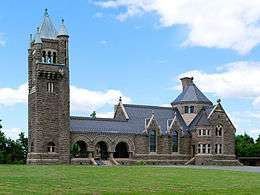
point(191, 131)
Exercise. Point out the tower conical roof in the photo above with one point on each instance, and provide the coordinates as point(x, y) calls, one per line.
point(63, 31)
point(47, 28)
point(191, 93)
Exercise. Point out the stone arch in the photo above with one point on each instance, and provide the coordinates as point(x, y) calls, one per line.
point(79, 149)
point(105, 139)
point(85, 139)
point(128, 141)
point(121, 150)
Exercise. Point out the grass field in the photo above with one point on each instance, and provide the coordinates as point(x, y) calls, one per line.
point(22, 179)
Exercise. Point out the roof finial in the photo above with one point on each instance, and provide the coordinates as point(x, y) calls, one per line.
point(37, 36)
point(152, 112)
point(120, 99)
point(46, 12)
point(63, 30)
point(218, 101)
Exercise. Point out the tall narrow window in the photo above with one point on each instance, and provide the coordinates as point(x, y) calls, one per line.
point(208, 149)
point(218, 148)
point(152, 141)
point(191, 109)
point(54, 58)
point(44, 56)
point(204, 148)
point(49, 57)
point(51, 147)
point(50, 87)
point(219, 130)
point(186, 109)
point(175, 141)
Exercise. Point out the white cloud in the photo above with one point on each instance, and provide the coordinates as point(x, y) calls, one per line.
point(247, 121)
point(232, 24)
point(235, 80)
point(238, 79)
point(87, 100)
point(2, 40)
point(106, 115)
point(12, 96)
point(12, 133)
point(82, 100)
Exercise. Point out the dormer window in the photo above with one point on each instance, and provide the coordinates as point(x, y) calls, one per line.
point(186, 109)
point(189, 109)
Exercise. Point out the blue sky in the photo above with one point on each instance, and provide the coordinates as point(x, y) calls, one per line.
point(139, 50)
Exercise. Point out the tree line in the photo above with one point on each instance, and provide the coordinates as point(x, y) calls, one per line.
point(247, 146)
point(15, 151)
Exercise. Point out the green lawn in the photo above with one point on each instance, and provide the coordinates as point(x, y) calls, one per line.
point(22, 179)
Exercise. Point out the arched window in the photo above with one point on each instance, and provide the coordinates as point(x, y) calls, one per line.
point(44, 56)
point(175, 141)
point(219, 130)
point(152, 140)
point(32, 147)
point(54, 58)
point(49, 58)
point(51, 147)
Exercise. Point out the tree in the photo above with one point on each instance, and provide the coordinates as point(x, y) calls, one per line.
point(245, 146)
point(13, 151)
point(93, 115)
point(258, 139)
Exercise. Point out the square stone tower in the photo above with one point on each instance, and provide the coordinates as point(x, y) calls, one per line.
point(49, 95)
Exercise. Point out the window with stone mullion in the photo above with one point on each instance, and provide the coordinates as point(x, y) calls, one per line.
point(152, 140)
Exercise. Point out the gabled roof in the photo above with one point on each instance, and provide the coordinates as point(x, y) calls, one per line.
point(136, 123)
point(47, 28)
point(201, 119)
point(179, 118)
point(191, 94)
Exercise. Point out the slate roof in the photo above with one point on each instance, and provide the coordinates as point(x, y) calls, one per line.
point(201, 118)
point(47, 28)
point(63, 31)
point(191, 94)
point(136, 123)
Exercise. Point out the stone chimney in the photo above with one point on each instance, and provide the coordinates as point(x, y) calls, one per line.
point(186, 81)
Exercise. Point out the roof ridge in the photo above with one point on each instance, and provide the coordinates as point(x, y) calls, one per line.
point(95, 119)
point(147, 106)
